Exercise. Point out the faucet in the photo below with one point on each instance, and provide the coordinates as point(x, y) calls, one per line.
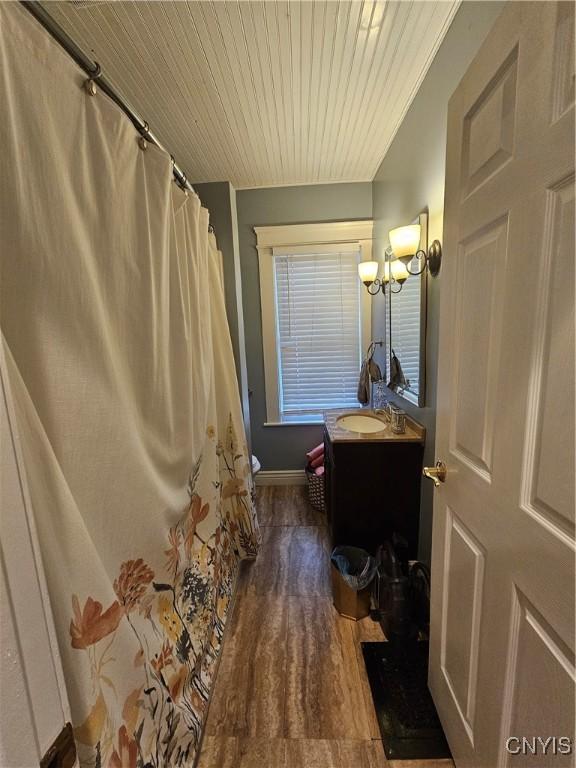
point(386, 411)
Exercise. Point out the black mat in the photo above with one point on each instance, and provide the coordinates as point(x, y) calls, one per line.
point(406, 714)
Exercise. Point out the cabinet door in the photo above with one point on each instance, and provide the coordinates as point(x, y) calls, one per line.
point(375, 491)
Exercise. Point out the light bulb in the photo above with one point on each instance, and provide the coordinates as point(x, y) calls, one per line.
point(399, 271)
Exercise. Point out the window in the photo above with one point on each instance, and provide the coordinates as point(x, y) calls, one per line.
point(315, 319)
point(318, 330)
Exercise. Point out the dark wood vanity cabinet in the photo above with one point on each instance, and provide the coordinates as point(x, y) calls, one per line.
point(373, 489)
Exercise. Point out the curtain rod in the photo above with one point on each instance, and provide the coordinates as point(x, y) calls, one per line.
point(93, 70)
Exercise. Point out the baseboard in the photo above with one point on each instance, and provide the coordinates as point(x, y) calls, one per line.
point(281, 477)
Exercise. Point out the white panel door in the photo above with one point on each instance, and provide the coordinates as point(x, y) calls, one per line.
point(502, 635)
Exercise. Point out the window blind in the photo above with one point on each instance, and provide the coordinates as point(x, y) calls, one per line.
point(405, 325)
point(318, 330)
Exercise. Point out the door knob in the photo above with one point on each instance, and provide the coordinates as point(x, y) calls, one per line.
point(437, 473)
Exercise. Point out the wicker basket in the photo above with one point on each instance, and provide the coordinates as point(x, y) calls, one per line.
point(315, 490)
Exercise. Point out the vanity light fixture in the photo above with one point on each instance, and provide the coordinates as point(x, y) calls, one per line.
point(403, 249)
point(405, 242)
point(395, 273)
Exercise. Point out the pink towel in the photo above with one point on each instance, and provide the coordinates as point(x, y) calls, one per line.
point(318, 462)
point(315, 452)
point(319, 471)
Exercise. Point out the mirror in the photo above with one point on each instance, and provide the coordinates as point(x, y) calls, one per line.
point(406, 328)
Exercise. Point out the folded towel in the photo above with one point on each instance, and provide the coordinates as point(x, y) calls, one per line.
point(318, 461)
point(319, 471)
point(315, 452)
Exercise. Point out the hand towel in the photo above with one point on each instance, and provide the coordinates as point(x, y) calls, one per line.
point(397, 378)
point(370, 371)
point(363, 394)
point(318, 461)
point(315, 452)
point(374, 370)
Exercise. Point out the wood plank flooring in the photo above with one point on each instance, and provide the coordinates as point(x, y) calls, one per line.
point(292, 690)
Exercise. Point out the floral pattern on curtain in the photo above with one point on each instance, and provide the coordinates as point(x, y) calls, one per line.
point(177, 618)
point(122, 380)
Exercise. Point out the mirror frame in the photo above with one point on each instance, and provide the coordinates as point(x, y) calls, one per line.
point(419, 399)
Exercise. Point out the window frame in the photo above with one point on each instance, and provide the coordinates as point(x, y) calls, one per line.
point(298, 235)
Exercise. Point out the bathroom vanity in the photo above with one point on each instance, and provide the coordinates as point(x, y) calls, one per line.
point(372, 479)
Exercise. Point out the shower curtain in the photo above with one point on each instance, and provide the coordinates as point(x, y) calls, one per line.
point(120, 365)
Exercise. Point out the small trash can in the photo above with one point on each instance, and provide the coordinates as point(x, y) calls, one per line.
point(353, 570)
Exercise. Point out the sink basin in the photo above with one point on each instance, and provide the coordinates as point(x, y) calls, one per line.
point(356, 422)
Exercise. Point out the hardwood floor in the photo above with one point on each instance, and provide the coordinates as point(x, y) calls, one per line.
point(292, 690)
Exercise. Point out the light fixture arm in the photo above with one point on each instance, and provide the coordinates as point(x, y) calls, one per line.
point(421, 255)
point(432, 259)
point(378, 284)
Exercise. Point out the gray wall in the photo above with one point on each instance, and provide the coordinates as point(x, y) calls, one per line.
point(411, 180)
point(220, 199)
point(284, 447)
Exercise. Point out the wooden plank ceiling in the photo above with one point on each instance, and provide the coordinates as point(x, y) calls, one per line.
point(265, 93)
